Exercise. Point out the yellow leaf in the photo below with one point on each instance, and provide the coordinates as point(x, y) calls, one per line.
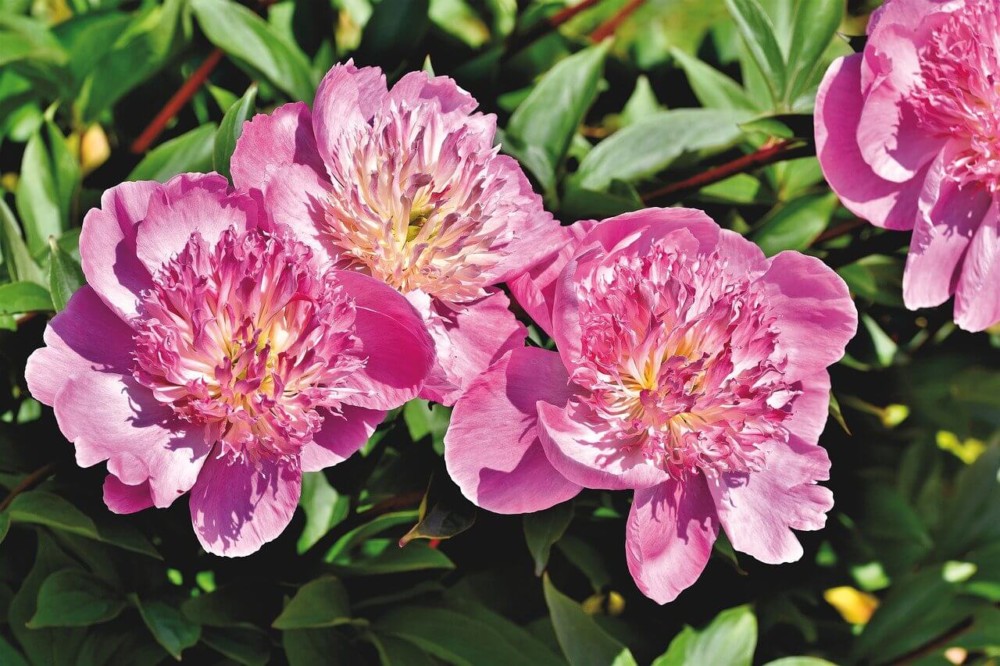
point(853, 605)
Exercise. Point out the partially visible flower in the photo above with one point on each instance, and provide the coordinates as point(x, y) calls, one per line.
point(908, 135)
point(690, 369)
point(210, 354)
point(406, 186)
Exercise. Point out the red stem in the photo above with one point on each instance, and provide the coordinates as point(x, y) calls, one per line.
point(566, 14)
point(177, 102)
point(609, 27)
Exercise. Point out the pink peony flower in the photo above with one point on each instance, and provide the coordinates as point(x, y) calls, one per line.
point(690, 369)
point(908, 135)
point(210, 354)
point(406, 186)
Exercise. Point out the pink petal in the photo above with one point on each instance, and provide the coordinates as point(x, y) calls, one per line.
point(110, 417)
point(534, 290)
point(759, 510)
point(195, 205)
point(591, 458)
point(838, 112)
point(123, 498)
point(811, 408)
point(107, 245)
point(492, 448)
point(415, 87)
point(340, 437)
point(394, 339)
point(977, 302)
point(949, 216)
point(274, 140)
point(816, 316)
point(72, 347)
point(347, 98)
point(296, 197)
point(669, 537)
point(238, 506)
point(467, 339)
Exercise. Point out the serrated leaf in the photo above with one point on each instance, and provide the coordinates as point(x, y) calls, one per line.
point(231, 128)
point(65, 276)
point(75, 598)
point(544, 528)
point(319, 603)
point(582, 640)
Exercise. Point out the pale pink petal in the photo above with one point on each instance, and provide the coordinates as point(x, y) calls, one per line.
point(668, 537)
point(107, 246)
point(977, 301)
point(492, 448)
point(591, 458)
point(415, 87)
point(760, 509)
point(816, 316)
point(85, 336)
point(238, 505)
point(195, 207)
point(340, 437)
point(123, 498)
point(297, 197)
point(274, 140)
point(394, 339)
point(110, 417)
point(346, 99)
point(467, 340)
point(534, 290)
point(838, 111)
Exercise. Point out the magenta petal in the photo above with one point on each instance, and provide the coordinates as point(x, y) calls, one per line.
point(816, 316)
point(346, 99)
point(73, 348)
point(394, 339)
point(107, 246)
point(274, 140)
point(590, 458)
point(297, 197)
point(197, 205)
point(415, 87)
point(760, 509)
point(977, 302)
point(492, 448)
point(811, 408)
point(467, 339)
point(340, 437)
point(123, 498)
point(669, 537)
point(110, 417)
point(238, 505)
point(838, 112)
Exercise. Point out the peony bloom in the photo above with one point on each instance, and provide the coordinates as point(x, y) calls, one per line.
point(690, 369)
point(908, 135)
point(406, 185)
point(210, 353)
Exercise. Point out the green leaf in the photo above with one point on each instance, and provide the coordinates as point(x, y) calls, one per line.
point(39, 194)
point(651, 145)
point(796, 224)
point(712, 88)
point(729, 639)
point(814, 26)
point(444, 512)
point(318, 603)
point(18, 297)
point(395, 29)
point(9, 656)
point(544, 528)
point(17, 258)
point(393, 651)
point(549, 117)
point(75, 598)
point(582, 640)
point(463, 638)
point(308, 647)
point(65, 275)
point(191, 151)
point(324, 507)
point(4, 526)
point(641, 104)
point(757, 32)
point(231, 128)
point(877, 278)
point(423, 419)
point(256, 44)
point(168, 625)
point(416, 556)
point(800, 661)
point(972, 515)
point(251, 647)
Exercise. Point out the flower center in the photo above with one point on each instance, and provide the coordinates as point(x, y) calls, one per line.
point(959, 95)
point(418, 201)
point(247, 340)
point(682, 363)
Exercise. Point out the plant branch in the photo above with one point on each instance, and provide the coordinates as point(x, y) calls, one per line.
point(27, 483)
point(770, 153)
point(609, 27)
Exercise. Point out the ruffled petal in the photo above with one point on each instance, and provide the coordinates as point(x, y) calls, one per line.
point(346, 99)
point(492, 448)
point(977, 302)
point(272, 141)
point(123, 498)
point(297, 198)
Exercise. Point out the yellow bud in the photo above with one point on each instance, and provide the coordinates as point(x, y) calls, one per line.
point(8, 181)
point(94, 148)
point(855, 606)
point(893, 415)
point(967, 451)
